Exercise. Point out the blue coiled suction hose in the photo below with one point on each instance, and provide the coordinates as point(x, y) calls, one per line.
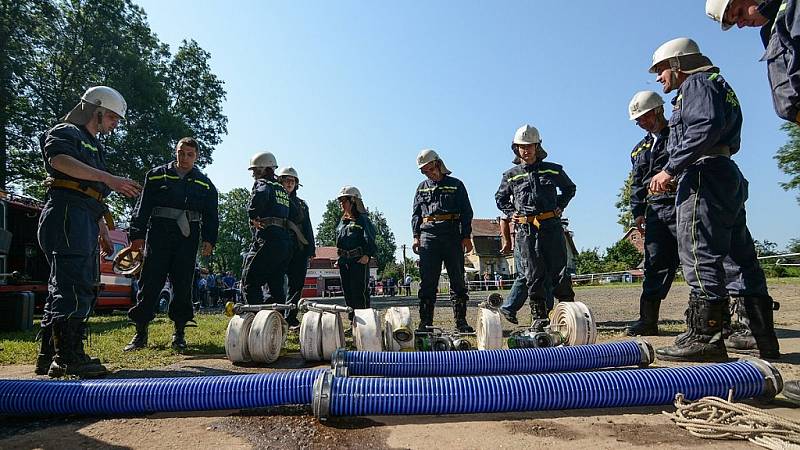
point(147, 395)
point(366, 396)
point(492, 362)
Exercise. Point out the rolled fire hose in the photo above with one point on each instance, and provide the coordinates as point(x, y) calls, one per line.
point(236, 336)
point(398, 334)
point(492, 362)
point(367, 330)
point(267, 336)
point(489, 329)
point(321, 330)
point(149, 395)
point(575, 322)
point(368, 396)
point(249, 329)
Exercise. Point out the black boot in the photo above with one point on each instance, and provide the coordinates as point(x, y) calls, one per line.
point(425, 316)
point(46, 351)
point(84, 335)
point(762, 325)
point(540, 314)
point(139, 340)
point(291, 320)
point(703, 340)
point(460, 313)
point(179, 337)
point(647, 325)
point(741, 339)
point(68, 359)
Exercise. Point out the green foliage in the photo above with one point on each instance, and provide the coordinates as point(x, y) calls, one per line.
point(623, 204)
point(234, 232)
point(384, 237)
point(788, 157)
point(765, 248)
point(589, 261)
point(619, 257)
point(61, 48)
point(794, 246)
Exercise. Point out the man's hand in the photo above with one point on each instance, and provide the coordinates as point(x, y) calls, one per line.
point(124, 186)
point(363, 260)
point(415, 246)
point(137, 244)
point(660, 182)
point(106, 246)
point(466, 244)
point(207, 249)
point(639, 221)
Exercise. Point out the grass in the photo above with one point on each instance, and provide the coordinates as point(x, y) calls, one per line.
point(109, 334)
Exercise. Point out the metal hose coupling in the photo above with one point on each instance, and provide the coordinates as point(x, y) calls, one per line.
point(232, 308)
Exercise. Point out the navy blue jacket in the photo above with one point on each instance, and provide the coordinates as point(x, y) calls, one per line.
point(705, 115)
point(447, 196)
point(269, 199)
point(352, 234)
point(530, 189)
point(298, 213)
point(647, 160)
point(74, 141)
point(164, 187)
point(783, 57)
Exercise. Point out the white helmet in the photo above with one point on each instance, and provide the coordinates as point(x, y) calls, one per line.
point(428, 155)
point(674, 49)
point(527, 134)
point(287, 172)
point(263, 160)
point(642, 102)
point(352, 191)
point(715, 9)
point(106, 97)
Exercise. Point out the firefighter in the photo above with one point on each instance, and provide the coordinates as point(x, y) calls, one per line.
point(441, 223)
point(355, 245)
point(653, 212)
point(271, 249)
point(528, 194)
point(705, 130)
point(303, 250)
point(778, 20)
point(70, 225)
point(177, 209)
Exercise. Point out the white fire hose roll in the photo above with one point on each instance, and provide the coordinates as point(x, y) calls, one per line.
point(367, 330)
point(310, 336)
point(236, 336)
point(332, 336)
point(489, 329)
point(267, 336)
point(575, 322)
point(397, 322)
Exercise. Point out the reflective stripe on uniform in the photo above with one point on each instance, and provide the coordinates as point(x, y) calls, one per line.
point(164, 176)
point(640, 149)
point(201, 183)
point(89, 146)
point(554, 172)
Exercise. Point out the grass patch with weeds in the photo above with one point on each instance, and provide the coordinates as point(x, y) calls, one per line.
point(109, 334)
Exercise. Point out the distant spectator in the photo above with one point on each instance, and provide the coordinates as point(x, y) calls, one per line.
point(407, 284)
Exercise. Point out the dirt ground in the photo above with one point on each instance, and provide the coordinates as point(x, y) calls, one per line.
point(295, 427)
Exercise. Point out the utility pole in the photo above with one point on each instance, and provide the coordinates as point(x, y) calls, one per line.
point(404, 260)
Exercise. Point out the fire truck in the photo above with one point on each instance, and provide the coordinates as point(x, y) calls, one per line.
point(24, 270)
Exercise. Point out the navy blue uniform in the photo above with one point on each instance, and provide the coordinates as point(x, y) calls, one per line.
point(441, 219)
point(68, 228)
point(531, 190)
point(660, 236)
point(167, 251)
point(704, 128)
point(271, 250)
point(782, 41)
point(354, 239)
point(298, 264)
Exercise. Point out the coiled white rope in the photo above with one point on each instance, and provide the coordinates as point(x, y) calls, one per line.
point(311, 336)
point(575, 322)
point(716, 418)
point(367, 330)
point(236, 336)
point(489, 329)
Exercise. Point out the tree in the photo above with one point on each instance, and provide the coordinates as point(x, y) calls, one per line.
point(622, 256)
point(765, 248)
point(623, 204)
point(588, 261)
point(794, 246)
point(234, 231)
point(788, 157)
point(384, 237)
point(80, 44)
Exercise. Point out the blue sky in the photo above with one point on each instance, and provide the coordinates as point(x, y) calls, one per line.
point(348, 93)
